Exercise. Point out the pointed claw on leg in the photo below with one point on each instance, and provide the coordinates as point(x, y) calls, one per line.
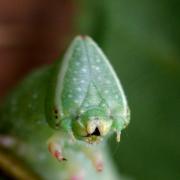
point(99, 166)
point(95, 157)
point(56, 152)
point(98, 162)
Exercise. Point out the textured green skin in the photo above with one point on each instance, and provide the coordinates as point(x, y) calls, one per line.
point(85, 81)
point(82, 87)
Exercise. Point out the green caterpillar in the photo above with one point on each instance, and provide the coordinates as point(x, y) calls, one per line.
point(70, 108)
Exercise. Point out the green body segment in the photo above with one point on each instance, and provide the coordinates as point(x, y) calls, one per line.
point(76, 96)
point(24, 107)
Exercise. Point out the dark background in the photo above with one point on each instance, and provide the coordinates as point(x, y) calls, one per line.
point(141, 39)
point(32, 32)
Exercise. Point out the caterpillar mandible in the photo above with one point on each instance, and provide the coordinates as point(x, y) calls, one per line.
point(70, 108)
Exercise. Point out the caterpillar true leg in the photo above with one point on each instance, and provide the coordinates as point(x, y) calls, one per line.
point(95, 156)
point(56, 151)
point(55, 147)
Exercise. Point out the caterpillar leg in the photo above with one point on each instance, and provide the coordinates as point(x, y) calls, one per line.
point(97, 161)
point(55, 147)
point(56, 151)
point(95, 156)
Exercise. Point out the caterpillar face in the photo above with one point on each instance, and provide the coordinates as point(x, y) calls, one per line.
point(86, 96)
point(92, 126)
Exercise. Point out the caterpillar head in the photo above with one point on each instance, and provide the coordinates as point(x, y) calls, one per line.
point(92, 126)
point(85, 95)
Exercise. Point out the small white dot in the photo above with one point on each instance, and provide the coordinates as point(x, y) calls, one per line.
point(74, 79)
point(106, 91)
point(82, 111)
point(97, 68)
point(82, 81)
point(86, 105)
point(79, 89)
point(76, 101)
point(70, 95)
point(116, 96)
point(84, 70)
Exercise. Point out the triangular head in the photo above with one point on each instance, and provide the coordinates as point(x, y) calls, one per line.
point(85, 97)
